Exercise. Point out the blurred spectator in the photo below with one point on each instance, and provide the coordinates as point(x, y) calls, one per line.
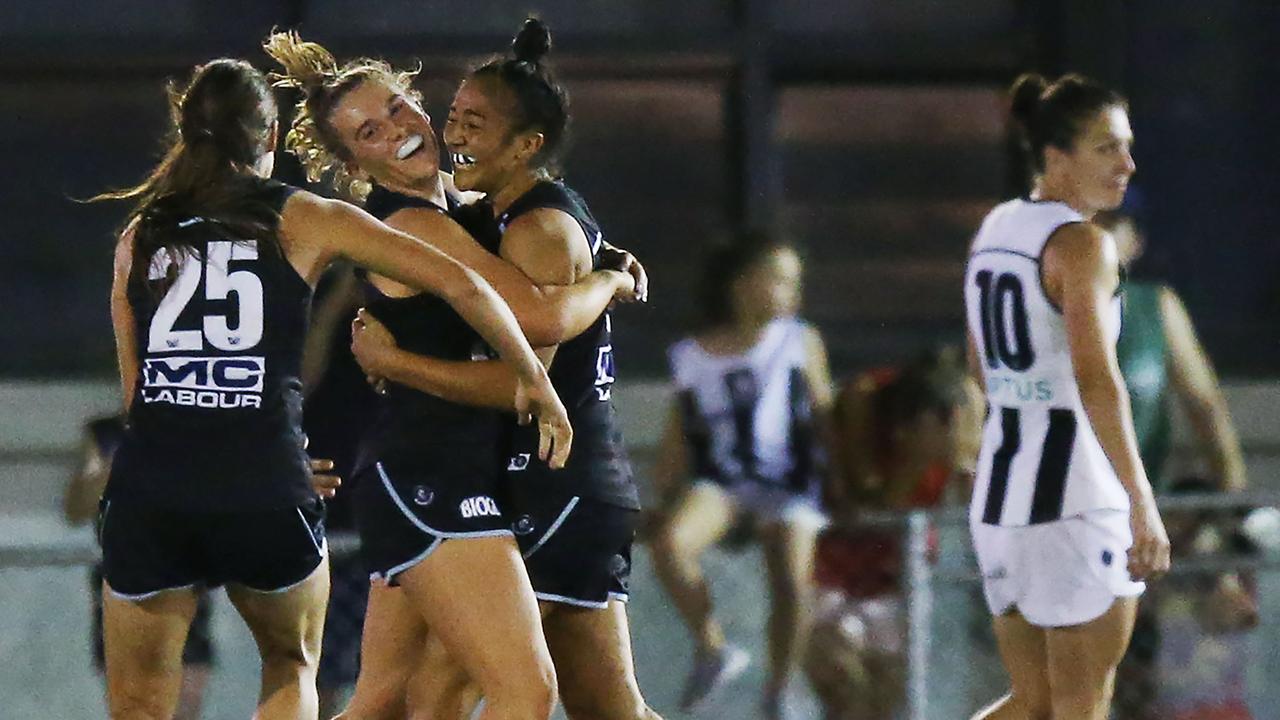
point(1204, 620)
point(1161, 357)
point(907, 438)
point(743, 444)
point(79, 506)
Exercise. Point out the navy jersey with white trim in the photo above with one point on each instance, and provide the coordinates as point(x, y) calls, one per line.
point(583, 373)
point(215, 422)
point(413, 426)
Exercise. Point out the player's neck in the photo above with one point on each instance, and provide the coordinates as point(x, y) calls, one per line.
point(1057, 190)
point(430, 189)
point(746, 332)
point(518, 186)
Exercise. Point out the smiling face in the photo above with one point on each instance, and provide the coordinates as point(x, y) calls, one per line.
point(485, 150)
point(1096, 170)
point(386, 135)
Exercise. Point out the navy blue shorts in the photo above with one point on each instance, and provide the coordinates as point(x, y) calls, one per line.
point(404, 512)
point(147, 550)
point(577, 550)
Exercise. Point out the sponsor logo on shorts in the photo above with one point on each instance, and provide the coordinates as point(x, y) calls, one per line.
point(999, 573)
point(423, 495)
point(523, 526)
point(1107, 558)
point(518, 462)
point(479, 506)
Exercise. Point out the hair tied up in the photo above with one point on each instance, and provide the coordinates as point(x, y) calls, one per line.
point(532, 43)
point(307, 65)
point(1025, 97)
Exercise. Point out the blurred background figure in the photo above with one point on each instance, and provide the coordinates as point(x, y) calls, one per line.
point(743, 444)
point(339, 406)
point(1163, 361)
point(875, 132)
point(906, 437)
point(1204, 620)
point(80, 506)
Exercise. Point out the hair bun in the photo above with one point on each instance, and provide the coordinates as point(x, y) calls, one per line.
point(533, 41)
point(1025, 94)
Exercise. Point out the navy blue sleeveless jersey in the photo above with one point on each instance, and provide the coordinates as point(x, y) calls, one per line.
point(583, 374)
point(414, 427)
point(215, 422)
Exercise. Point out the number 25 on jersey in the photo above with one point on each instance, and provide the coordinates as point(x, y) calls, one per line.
point(219, 284)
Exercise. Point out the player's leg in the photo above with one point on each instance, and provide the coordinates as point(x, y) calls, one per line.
point(474, 594)
point(147, 604)
point(1083, 659)
point(287, 626)
point(143, 641)
point(197, 662)
point(592, 652)
point(276, 567)
point(439, 688)
point(393, 638)
point(1023, 650)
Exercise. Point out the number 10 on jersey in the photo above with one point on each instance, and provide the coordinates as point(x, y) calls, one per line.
point(1002, 311)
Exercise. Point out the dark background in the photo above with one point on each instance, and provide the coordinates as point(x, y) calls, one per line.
point(871, 130)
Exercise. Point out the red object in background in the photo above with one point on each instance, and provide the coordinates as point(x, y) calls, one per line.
point(868, 563)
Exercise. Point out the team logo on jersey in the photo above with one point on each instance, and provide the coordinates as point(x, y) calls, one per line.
point(423, 495)
point(518, 462)
point(206, 382)
point(523, 526)
point(479, 506)
point(604, 373)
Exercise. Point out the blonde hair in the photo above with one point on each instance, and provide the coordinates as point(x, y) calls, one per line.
point(312, 69)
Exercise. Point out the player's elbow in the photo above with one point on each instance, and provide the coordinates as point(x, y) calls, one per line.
point(460, 286)
point(547, 328)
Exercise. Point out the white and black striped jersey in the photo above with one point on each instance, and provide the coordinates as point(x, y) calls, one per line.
point(749, 417)
point(1040, 459)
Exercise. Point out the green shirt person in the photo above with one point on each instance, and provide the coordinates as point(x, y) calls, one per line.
point(1160, 358)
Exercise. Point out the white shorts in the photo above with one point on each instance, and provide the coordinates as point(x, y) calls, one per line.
point(1060, 573)
point(766, 504)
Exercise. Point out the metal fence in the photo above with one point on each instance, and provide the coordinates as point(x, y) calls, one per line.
point(952, 666)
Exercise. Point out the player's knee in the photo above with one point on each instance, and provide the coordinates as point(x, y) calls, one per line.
point(284, 656)
point(139, 703)
point(605, 701)
point(1076, 703)
point(529, 694)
